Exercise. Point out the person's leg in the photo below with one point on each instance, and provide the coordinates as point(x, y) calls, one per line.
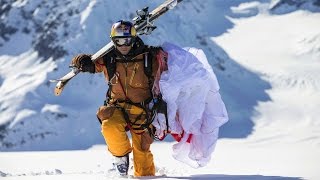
point(113, 130)
point(142, 156)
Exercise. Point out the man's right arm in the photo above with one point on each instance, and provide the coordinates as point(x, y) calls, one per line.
point(83, 62)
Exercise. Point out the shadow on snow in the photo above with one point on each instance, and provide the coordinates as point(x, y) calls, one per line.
point(226, 177)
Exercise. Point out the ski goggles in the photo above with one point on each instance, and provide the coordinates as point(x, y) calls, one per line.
point(123, 41)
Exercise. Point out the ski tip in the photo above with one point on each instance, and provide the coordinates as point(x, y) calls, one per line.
point(58, 89)
point(57, 92)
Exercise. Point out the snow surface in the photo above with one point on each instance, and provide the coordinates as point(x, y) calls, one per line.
point(267, 66)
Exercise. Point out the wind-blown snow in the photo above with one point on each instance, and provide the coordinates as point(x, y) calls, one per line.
point(266, 62)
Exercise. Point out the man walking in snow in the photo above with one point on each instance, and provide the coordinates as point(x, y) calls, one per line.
point(130, 69)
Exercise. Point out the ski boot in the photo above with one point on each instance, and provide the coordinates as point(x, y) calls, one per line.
point(121, 164)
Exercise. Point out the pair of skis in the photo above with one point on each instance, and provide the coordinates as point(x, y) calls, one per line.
point(144, 24)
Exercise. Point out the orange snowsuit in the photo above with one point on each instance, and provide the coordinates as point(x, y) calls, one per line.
point(129, 82)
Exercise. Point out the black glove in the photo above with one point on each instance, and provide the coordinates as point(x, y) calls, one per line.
point(83, 62)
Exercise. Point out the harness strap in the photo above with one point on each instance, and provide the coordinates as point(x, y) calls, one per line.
point(110, 61)
point(130, 124)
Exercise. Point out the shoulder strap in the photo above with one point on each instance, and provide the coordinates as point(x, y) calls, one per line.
point(152, 52)
point(110, 63)
point(148, 65)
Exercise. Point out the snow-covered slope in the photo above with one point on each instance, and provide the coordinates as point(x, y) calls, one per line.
point(284, 51)
point(94, 163)
point(265, 54)
point(287, 56)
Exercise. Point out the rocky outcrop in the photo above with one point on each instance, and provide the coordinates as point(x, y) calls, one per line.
point(287, 6)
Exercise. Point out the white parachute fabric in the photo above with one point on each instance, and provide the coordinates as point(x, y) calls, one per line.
point(195, 107)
